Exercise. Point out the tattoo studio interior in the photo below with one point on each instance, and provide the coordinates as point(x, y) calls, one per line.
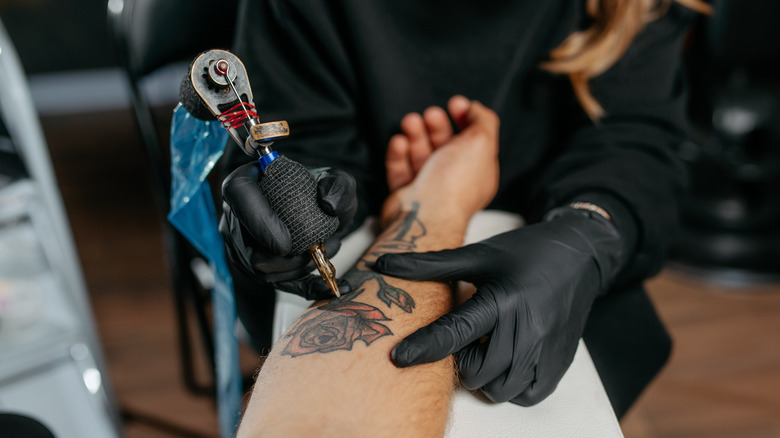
point(277, 218)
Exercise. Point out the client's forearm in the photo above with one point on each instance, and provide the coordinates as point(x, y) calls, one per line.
point(331, 374)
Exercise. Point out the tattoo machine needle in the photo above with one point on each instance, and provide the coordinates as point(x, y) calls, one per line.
point(217, 87)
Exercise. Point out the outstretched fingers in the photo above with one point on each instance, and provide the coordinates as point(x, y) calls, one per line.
point(447, 265)
point(448, 334)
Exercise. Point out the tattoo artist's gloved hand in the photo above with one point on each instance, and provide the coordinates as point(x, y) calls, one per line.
point(535, 287)
point(257, 241)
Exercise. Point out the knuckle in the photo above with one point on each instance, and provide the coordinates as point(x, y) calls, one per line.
point(226, 189)
point(536, 393)
point(496, 393)
point(468, 375)
point(530, 397)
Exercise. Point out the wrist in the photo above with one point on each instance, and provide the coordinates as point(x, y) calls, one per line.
point(594, 234)
point(450, 223)
point(623, 217)
point(448, 214)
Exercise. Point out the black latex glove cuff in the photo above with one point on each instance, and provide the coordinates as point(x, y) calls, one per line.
point(607, 245)
point(535, 287)
point(626, 223)
point(258, 243)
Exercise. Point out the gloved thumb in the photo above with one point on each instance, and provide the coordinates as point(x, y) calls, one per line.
point(336, 192)
point(448, 265)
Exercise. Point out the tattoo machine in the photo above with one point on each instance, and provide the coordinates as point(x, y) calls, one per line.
point(217, 87)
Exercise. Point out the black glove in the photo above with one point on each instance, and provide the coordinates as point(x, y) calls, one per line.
point(535, 287)
point(257, 241)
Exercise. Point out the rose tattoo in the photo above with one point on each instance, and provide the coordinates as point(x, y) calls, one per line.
point(336, 326)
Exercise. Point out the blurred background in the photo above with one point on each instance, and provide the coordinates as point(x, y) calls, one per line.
point(126, 310)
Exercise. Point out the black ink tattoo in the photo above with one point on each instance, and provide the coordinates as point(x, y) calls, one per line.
point(339, 323)
point(406, 231)
point(336, 326)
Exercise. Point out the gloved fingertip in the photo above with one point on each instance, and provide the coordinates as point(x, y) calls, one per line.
point(323, 295)
point(336, 190)
point(344, 287)
point(402, 265)
point(383, 264)
point(405, 354)
point(305, 289)
point(332, 246)
point(322, 292)
point(395, 357)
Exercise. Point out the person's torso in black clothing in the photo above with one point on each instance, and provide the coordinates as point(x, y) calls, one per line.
point(344, 73)
point(425, 52)
point(403, 57)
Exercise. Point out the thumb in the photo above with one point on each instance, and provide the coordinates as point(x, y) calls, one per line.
point(336, 191)
point(467, 113)
point(448, 265)
point(448, 334)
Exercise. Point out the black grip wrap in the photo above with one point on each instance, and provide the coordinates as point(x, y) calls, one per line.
point(292, 193)
point(191, 100)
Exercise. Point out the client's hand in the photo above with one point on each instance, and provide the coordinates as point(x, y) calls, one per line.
point(456, 174)
point(518, 333)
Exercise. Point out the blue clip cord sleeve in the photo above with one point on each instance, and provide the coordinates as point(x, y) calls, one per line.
point(196, 146)
point(267, 159)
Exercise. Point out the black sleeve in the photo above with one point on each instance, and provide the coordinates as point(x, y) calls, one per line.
point(626, 163)
point(301, 71)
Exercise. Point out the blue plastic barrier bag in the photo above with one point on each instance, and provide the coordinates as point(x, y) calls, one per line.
point(196, 145)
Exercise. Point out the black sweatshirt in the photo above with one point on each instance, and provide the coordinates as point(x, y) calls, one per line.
point(344, 73)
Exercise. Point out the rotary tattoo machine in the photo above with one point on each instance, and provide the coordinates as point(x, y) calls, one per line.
point(217, 87)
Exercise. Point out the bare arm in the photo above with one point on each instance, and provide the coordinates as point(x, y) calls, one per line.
point(331, 374)
point(335, 360)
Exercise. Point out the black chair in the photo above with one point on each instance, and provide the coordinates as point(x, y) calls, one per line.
point(731, 221)
point(150, 35)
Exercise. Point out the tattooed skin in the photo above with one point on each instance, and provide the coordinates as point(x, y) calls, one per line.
point(336, 326)
point(339, 323)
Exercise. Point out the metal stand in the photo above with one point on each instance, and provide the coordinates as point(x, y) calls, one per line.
point(51, 363)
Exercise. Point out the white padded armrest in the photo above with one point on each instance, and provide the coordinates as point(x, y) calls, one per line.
point(579, 407)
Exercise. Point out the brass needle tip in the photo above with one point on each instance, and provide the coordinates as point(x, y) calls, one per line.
point(327, 271)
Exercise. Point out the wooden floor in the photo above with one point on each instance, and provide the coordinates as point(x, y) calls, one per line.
point(723, 379)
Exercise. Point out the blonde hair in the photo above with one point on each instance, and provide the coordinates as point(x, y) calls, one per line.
point(586, 54)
